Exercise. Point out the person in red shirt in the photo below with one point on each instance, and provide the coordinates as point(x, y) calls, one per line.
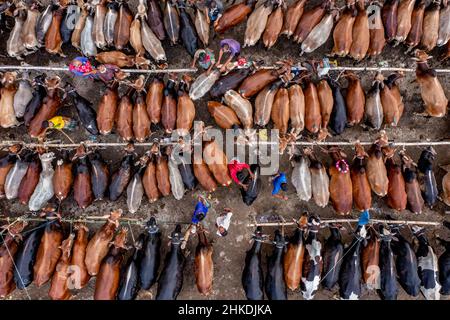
point(237, 172)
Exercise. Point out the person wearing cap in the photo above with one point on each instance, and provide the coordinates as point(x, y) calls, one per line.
point(223, 222)
point(237, 172)
point(279, 183)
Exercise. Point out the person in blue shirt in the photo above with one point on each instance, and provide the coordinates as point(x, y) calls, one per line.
point(364, 218)
point(201, 210)
point(215, 9)
point(279, 183)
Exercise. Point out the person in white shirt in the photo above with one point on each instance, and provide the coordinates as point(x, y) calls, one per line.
point(223, 222)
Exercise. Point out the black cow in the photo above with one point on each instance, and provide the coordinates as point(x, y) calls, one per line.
point(428, 266)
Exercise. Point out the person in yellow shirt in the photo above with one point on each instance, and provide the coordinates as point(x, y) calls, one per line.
point(60, 123)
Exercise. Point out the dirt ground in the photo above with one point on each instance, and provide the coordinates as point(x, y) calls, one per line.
point(229, 252)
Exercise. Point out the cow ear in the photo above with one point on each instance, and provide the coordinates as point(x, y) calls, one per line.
point(343, 154)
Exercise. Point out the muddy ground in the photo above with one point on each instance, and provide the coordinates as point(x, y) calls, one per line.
point(229, 252)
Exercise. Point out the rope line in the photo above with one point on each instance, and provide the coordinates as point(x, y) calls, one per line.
point(376, 69)
point(32, 145)
point(192, 70)
point(23, 233)
point(66, 69)
point(93, 220)
point(406, 222)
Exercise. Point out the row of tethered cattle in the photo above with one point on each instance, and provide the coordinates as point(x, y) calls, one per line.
point(317, 104)
point(361, 28)
point(314, 105)
point(378, 257)
point(102, 24)
point(130, 115)
point(30, 177)
point(68, 263)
